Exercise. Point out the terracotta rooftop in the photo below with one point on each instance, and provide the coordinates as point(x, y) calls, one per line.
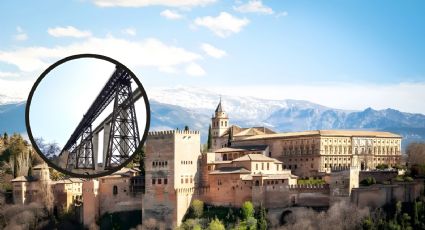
point(219, 162)
point(23, 179)
point(344, 133)
point(269, 176)
point(242, 148)
point(40, 166)
point(254, 131)
point(230, 170)
point(256, 157)
point(69, 181)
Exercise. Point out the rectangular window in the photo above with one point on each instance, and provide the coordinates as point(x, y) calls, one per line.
point(256, 166)
point(262, 166)
point(267, 166)
point(153, 181)
point(182, 181)
point(165, 181)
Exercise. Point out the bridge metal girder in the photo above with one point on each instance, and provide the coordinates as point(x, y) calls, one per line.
point(124, 134)
point(118, 88)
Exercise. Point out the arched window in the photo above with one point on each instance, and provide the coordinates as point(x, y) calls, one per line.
point(257, 183)
point(115, 190)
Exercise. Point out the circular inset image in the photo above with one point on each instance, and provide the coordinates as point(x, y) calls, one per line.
point(87, 115)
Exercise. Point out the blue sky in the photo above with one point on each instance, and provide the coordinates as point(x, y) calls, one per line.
point(345, 54)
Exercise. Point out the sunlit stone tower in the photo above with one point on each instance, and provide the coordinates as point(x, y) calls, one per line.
point(219, 127)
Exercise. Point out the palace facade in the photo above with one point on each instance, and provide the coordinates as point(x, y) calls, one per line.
point(309, 153)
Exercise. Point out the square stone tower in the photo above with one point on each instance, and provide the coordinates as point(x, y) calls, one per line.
point(172, 173)
point(219, 126)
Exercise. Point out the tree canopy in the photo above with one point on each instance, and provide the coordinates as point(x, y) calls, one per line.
point(247, 210)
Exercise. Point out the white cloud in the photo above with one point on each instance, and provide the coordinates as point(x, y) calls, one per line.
point(12, 91)
point(146, 53)
point(282, 14)
point(21, 35)
point(254, 6)
point(213, 51)
point(194, 69)
point(223, 25)
point(145, 3)
point(68, 31)
point(171, 14)
point(407, 97)
point(129, 31)
point(8, 74)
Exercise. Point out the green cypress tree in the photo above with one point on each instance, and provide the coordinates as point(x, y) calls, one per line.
point(5, 138)
point(397, 212)
point(229, 140)
point(15, 166)
point(262, 219)
point(209, 142)
point(415, 214)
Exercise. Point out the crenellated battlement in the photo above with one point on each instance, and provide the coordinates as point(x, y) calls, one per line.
point(172, 132)
point(312, 187)
point(346, 168)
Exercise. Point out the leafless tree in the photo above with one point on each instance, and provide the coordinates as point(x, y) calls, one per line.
point(342, 215)
point(46, 193)
point(23, 216)
point(416, 153)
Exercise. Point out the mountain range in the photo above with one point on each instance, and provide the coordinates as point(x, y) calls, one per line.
point(176, 107)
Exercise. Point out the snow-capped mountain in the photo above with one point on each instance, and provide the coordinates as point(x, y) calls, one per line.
point(176, 107)
point(196, 106)
point(9, 99)
point(247, 109)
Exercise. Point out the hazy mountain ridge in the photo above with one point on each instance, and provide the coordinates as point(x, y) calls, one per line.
point(288, 114)
point(8, 99)
point(177, 107)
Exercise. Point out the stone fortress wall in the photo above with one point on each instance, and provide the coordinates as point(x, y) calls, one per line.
point(245, 164)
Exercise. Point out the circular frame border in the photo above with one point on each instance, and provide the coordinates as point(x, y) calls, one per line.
point(41, 77)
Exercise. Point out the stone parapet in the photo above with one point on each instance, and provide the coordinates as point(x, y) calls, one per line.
point(169, 132)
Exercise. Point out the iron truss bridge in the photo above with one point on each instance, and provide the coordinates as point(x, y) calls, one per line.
point(123, 137)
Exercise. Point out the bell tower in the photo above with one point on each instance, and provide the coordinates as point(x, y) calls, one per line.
point(219, 125)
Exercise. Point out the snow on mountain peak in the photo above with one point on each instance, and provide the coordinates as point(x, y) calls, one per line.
point(239, 108)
